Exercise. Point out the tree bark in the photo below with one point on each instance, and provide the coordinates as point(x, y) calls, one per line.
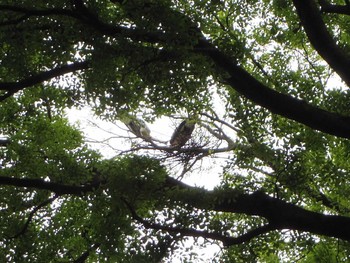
point(279, 214)
point(321, 39)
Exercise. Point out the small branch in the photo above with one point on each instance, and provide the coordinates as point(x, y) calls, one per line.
point(32, 213)
point(222, 26)
point(335, 9)
point(86, 254)
point(220, 135)
point(216, 118)
point(188, 166)
point(250, 235)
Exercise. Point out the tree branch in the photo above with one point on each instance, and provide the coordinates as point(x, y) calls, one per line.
point(246, 84)
point(226, 240)
point(320, 38)
point(334, 9)
point(278, 103)
point(249, 235)
point(13, 87)
point(86, 17)
point(32, 213)
point(37, 12)
point(4, 142)
point(59, 189)
point(280, 214)
point(86, 254)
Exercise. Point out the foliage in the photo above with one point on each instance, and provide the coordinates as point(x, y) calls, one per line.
point(267, 82)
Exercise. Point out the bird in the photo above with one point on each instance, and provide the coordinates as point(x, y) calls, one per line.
point(138, 127)
point(182, 133)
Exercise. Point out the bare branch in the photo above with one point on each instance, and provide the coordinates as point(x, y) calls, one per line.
point(220, 135)
point(217, 119)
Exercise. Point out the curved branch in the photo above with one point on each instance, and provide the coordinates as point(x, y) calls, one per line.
point(250, 235)
point(86, 17)
point(278, 103)
point(226, 240)
point(32, 213)
point(246, 84)
point(321, 39)
point(280, 214)
point(13, 87)
point(59, 189)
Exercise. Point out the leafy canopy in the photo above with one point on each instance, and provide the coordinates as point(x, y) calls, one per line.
point(266, 83)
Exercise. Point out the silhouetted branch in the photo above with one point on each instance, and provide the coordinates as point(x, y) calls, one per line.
point(246, 84)
point(321, 39)
point(276, 102)
point(4, 142)
point(279, 214)
point(57, 188)
point(335, 9)
point(86, 254)
point(32, 213)
point(226, 240)
point(13, 87)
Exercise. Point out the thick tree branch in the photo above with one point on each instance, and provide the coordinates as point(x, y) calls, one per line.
point(280, 214)
point(59, 189)
point(320, 38)
point(82, 14)
point(38, 12)
point(242, 81)
point(334, 9)
point(276, 102)
point(13, 87)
